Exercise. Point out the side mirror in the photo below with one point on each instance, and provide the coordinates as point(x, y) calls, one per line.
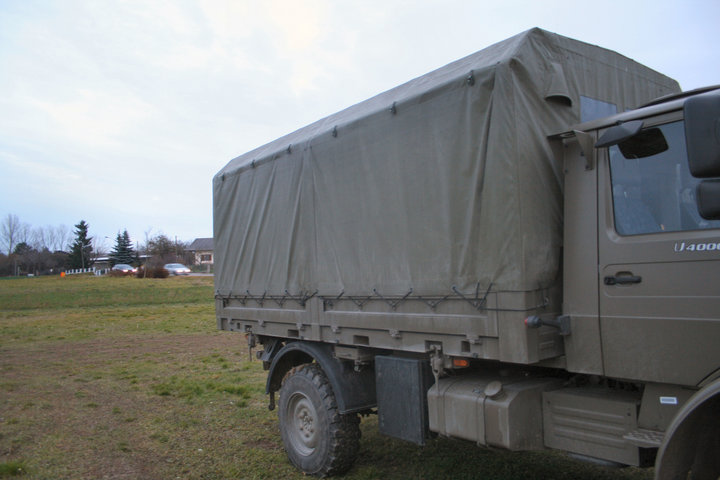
point(708, 199)
point(647, 143)
point(633, 141)
point(702, 132)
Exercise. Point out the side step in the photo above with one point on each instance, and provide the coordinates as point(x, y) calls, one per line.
point(594, 422)
point(645, 438)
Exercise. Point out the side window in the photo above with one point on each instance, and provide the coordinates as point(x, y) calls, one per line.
point(591, 109)
point(653, 190)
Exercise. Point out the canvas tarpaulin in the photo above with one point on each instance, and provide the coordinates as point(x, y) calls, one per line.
point(447, 180)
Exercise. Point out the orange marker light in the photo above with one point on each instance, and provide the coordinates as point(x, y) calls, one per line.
point(461, 362)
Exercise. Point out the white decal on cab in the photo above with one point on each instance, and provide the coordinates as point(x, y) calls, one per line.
point(696, 247)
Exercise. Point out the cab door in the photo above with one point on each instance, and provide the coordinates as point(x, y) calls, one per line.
point(659, 261)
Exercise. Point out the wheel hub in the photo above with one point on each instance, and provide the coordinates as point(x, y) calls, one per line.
point(304, 436)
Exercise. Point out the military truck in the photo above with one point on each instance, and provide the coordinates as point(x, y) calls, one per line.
point(501, 251)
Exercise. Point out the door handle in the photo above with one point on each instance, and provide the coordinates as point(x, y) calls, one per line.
point(622, 279)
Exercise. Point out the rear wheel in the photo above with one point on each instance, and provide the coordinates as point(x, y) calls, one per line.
point(318, 440)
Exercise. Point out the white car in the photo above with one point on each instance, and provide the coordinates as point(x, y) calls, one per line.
point(177, 269)
point(125, 268)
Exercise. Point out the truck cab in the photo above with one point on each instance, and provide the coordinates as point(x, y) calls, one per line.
point(642, 230)
point(642, 262)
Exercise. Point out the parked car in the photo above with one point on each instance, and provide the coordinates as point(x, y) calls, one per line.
point(125, 268)
point(177, 269)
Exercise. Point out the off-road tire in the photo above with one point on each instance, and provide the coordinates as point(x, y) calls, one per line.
point(317, 438)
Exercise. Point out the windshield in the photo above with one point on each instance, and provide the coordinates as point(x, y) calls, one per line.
point(653, 190)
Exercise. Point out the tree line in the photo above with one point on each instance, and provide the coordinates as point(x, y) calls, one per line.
point(52, 249)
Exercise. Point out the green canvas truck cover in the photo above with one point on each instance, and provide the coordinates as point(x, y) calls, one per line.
point(445, 181)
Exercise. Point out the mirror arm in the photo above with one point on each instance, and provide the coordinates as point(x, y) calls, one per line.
point(586, 147)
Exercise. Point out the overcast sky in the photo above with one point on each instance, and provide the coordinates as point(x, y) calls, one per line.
point(120, 112)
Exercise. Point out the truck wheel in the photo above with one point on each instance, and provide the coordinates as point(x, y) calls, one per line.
point(318, 440)
point(692, 441)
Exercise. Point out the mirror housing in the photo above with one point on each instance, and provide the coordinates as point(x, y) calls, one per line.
point(702, 132)
point(708, 199)
point(619, 133)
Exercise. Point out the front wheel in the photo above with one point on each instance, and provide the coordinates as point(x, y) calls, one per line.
point(318, 439)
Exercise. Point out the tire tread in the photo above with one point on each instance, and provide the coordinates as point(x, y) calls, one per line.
point(344, 429)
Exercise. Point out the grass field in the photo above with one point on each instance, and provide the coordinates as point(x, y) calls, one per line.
point(124, 378)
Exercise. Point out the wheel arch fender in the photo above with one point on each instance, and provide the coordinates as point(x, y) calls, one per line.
point(354, 391)
point(693, 431)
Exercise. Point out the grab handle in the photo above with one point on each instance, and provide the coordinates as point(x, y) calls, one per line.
point(620, 279)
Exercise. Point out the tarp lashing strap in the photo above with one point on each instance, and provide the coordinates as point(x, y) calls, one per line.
point(433, 302)
point(360, 301)
point(393, 303)
point(301, 298)
point(477, 302)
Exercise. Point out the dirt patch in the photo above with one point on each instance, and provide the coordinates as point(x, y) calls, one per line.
point(48, 354)
point(94, 402)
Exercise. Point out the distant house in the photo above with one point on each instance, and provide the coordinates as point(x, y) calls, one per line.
point(202, 248)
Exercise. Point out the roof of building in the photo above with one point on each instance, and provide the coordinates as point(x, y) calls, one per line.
point(201, 244)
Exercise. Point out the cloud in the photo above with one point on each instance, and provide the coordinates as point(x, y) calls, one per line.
point(95, 118)
point(296, 32)
point(298, 25)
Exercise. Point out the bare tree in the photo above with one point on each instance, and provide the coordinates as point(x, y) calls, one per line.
point(54, 238)
point(51, 238)
point(10, 232)
point(40, 238)
point(100, 248)
point(146, 247)
point(24, 233)
point(62, 238)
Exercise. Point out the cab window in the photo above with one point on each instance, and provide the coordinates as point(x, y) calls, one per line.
point(653, 190)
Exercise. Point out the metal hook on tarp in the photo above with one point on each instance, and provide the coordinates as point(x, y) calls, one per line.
point(225, 299)
point(470, 79)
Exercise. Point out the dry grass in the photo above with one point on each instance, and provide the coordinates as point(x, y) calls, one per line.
point(125, 378)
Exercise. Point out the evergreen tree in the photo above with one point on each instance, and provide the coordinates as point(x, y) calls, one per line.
point(27, 257)
point(22, 248)
point(81, 249)
point(123, 251)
